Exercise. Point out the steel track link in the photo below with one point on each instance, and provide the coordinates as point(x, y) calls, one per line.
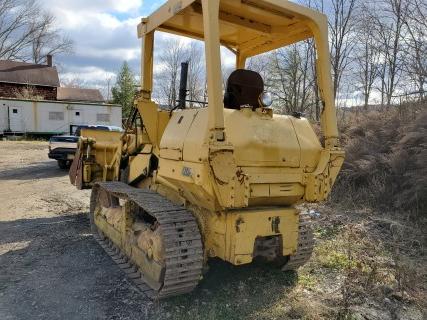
point(305, 244)
point(180, 232)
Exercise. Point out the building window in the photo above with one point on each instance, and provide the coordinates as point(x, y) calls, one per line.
point(54, 115)
point(77, 113)
point(103, 117)
point(14, 110)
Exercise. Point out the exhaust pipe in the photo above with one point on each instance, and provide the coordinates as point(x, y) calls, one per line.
point(183, 85)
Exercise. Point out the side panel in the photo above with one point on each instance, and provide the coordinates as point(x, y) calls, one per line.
point(195, 148)
point(309, 144)
point(175, 134)
point(139, 165)
point(192, 179)
point(155, 121)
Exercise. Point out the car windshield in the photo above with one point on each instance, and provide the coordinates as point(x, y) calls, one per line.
point(63, 139)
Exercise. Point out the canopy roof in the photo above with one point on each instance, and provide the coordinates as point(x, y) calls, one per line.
point(249, 27)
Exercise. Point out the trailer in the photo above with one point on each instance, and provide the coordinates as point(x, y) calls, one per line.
point(47, 118)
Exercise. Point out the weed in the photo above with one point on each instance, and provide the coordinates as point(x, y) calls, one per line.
point(307, 281)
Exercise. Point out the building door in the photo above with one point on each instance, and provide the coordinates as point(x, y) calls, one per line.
point(15, 119)
point(76, 116)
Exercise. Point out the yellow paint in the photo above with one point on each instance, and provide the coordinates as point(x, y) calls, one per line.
point(231, 235)
point(139, 165)
point(236, 170)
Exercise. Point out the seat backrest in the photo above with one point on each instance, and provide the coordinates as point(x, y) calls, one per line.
point(243, 88)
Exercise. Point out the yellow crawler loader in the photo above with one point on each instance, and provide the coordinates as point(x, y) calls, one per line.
point(184, 185)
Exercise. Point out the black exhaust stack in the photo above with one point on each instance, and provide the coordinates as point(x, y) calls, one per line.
point(183, 85)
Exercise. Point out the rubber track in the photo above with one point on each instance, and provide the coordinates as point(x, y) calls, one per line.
point(305, 244)
point(184, 250)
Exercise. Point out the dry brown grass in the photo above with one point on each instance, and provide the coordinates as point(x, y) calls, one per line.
point(386, 159)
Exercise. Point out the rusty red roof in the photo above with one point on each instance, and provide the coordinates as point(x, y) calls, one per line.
point(28, 73)
point(79, 94)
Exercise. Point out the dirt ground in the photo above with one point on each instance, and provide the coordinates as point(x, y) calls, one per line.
point(52, 268)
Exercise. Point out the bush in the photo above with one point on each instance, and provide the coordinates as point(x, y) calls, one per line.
point(386, 159)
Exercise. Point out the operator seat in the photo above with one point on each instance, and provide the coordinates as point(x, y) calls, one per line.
point(243, 88)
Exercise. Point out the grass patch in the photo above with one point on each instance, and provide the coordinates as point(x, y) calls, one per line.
point(327, 232)
point(336, 260)
point(307, 281)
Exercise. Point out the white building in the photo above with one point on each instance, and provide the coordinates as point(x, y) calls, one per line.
point(33, 102)
point(54, 117)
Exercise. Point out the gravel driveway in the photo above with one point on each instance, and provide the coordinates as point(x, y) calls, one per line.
point(50, 267)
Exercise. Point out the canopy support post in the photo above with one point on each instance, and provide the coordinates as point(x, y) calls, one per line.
point(213, 68)
point(328, 118)
point(147, 65)
point(240, 60)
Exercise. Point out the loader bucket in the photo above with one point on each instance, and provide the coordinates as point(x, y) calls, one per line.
point(97, 158)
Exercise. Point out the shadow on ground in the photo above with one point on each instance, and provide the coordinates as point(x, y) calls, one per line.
point(52, 268)
point(39, 170)
point(230, 292)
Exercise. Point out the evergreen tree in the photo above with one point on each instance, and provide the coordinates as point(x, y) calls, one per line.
point(124, 90)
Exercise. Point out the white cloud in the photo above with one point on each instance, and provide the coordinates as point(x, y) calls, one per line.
point(90, 74)
point(125, 5)
point(120, 54)
point(122, 6)
point(104, 35)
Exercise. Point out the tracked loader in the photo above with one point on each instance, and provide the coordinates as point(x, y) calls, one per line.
point(184, 185)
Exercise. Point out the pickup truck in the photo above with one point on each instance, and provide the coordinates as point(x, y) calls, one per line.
point(62, 148)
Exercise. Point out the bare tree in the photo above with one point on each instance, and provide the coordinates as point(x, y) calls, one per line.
point(289, 74)
point(367, 53)
point(48, 41)
point(27, 32)
point(382, 43)
point(260, 64)
point(416, 45)
point(390, 24)
point(170, 60)
point(341, 25)
point(312, 57)
point(290, 79)
point(107, 87)
point(196, 71)
point(167, 84)
point(73, 82)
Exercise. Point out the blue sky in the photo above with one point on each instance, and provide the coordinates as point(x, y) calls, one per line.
point(104, 35)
